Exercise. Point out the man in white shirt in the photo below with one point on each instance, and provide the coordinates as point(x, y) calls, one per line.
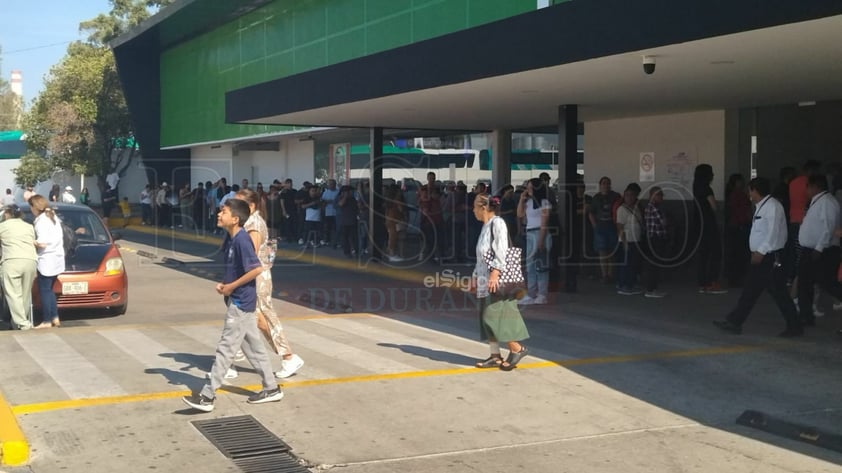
point(67, 196)
point(766, 242)
point(819, 248)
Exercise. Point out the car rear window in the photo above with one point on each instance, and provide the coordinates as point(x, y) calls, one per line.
point(86, 224)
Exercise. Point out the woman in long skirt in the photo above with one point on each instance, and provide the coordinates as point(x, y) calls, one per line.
point(500, 318)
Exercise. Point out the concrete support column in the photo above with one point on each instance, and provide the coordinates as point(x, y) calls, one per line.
point(376, 219)
point(501, 159)
point(568, 256)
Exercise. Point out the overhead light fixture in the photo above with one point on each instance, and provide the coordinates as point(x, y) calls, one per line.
point(807, 103)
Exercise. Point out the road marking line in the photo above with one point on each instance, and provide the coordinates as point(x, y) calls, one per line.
point(14, 449)
point(74, 374)
point(144, 349)
point(79, 403)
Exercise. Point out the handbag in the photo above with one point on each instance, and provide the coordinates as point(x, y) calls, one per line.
point(511, 276)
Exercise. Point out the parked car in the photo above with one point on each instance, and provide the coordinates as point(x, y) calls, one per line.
point(95, 275)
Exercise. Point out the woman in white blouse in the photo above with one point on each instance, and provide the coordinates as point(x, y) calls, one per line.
point(535, 207)
point(500, 319)
point(49, 243)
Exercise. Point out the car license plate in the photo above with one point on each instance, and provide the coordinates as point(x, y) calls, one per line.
point(69, 288)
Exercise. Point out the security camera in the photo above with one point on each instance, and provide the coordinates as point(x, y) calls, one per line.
point(649, 64)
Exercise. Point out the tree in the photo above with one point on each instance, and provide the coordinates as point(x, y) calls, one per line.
point(80, 120)
point(32, 169)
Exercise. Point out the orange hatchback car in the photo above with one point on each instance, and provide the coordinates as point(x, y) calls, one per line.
point(95, 276)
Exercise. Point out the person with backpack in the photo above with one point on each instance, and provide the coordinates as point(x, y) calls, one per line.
point(49, 244)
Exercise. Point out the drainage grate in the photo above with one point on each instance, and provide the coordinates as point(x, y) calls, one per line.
point(249, 445)
point(804, 433)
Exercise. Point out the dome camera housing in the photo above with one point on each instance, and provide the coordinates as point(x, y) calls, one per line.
point(649, 64)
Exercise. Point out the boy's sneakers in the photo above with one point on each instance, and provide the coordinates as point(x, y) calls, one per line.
point(199, 402)
point(289, 367)
point(271, 395)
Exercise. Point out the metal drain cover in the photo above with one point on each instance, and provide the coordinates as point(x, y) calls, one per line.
point(249, 444)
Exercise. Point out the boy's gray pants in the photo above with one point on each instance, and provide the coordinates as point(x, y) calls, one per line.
point(239, 327)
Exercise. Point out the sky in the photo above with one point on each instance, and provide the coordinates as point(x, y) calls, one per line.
point(34, 35)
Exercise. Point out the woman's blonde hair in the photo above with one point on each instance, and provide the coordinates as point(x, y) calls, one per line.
point(39, 202)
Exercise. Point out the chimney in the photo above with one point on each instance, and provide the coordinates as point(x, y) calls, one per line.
point(17, 83)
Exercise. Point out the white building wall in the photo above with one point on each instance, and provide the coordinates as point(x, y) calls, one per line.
point(210, 163)
point(679, 142)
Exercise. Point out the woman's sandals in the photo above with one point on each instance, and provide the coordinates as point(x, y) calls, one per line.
point(513, 359)
point(491, 362)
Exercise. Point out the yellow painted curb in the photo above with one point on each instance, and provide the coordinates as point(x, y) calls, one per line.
point(14, 449)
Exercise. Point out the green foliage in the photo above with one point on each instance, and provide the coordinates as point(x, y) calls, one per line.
point(81, 118)
point(32, 169)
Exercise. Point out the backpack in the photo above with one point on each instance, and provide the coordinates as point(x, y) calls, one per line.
point(69, 240)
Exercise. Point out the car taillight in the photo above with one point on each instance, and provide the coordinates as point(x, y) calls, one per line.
point(113, 266)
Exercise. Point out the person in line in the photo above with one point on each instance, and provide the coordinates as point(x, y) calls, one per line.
point(629, 231)
point(329, 198)
point(348, 212)
point(737, 225)
point(54, 195)
point(67, 196)
point(499, 317)
point(238, 286)
point(767, 242)
point(535, 208)
point(395, 212)
point(18, 265)
point(600, 214)
point(820, 253)
point(29, 192)
point(109, 200)
point(709, 252)
point(49, 242)
point(312, 206)
point(146, 205)
point(657, 241)
point(267, 320)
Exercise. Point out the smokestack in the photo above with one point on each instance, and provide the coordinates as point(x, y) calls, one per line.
point(17, 83)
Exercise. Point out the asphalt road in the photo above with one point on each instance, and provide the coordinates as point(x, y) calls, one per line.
point(613, 384)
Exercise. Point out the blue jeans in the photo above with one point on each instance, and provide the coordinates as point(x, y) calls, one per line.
point(49, 305)
point(537, 283)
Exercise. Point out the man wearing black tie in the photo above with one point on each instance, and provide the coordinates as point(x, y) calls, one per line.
point(819, 248)
point(766, 241)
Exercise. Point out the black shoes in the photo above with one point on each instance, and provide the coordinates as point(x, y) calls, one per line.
point(727, 326)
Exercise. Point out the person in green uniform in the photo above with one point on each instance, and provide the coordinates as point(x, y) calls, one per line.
point(18, 262)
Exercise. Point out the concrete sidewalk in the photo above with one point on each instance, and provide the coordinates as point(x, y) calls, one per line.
point(615, 384)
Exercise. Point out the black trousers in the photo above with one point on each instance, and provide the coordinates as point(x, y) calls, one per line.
point(769, 276)
point(817, 269)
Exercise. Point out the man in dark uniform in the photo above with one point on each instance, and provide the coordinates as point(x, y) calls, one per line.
point(766, 242)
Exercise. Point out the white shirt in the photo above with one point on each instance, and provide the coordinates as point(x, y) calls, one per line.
point(329, 196)
point(145, 198)
point(51, 258)
point(225, 198)
point(68, 198)
point(533, 215)
point(632, 222)
point(112, 180)
point(768, 228)
point(821, 220)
